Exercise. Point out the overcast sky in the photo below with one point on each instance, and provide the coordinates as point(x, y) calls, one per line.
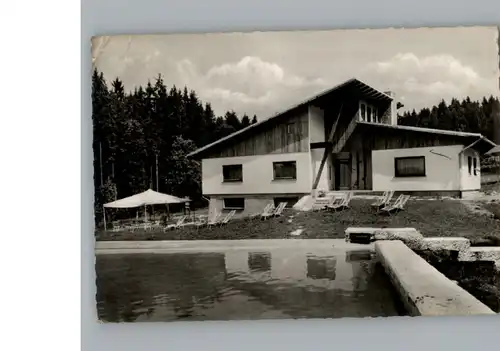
point(265, 72)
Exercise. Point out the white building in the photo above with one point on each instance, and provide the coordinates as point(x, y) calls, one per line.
point(346, 138)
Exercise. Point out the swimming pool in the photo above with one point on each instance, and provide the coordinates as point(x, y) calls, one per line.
point(248, 283)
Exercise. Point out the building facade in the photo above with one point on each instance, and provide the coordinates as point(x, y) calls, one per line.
point(346, 138)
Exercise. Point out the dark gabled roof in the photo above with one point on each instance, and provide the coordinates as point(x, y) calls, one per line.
point(354, 84)
point(482, 143)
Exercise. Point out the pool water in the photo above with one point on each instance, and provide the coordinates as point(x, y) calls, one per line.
point(239, 284)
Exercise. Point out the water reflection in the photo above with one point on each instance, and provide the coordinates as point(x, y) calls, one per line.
point(321, 268)
point(242, 285)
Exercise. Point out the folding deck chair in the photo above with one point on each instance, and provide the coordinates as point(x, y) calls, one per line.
point(319, 204)
point(383, 200)
point(397, 206)
point(268, 213)
point(343, 204)
point(279, 210)
point(116, 226)
point(265, 210)
point(176, 225)
point(227, 218)
point(275, 212)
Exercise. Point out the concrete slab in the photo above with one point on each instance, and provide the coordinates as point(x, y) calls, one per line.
point(457, 243)
point(484, 254)
point(423, 289)
point(410, 236)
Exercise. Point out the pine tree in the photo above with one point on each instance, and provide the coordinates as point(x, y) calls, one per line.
point(147, 131)
point(245, 121)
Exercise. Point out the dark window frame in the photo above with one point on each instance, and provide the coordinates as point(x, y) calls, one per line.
point(397, 174)
point(225, 207)
point(235, 180)
point(469, 163)
point(474, 165)
point(284, 178)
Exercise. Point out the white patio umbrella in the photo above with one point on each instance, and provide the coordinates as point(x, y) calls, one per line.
point(148, 197)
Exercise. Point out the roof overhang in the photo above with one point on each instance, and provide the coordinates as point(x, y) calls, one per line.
point(483, 145)
point(350, 87)
point(494, 151)
point(421, 130)
point(480, 143)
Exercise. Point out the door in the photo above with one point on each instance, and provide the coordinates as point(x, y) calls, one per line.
point(343, 174)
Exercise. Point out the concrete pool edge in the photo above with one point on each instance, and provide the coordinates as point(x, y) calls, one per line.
point(423, 289)
point(123, 247)
point(416, 241)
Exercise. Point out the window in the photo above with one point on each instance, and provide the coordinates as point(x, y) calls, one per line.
point(290, 201)
point(363, 112)
point(234, 203)
point(374, 115)
point(259, 261)
point(369, 114)
point(290, 128)
point(232, 173)
point(469, 159)
point(321, 268)
point(285, 170)
point(475, 165)
point(409, 166)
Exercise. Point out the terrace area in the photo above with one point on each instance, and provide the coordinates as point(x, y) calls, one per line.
point(432, 217)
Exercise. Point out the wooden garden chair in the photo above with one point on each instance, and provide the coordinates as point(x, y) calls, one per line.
point(226, 220)
point(268, 213)
point(279, 209)
point(265, 210)
point(343, 204)
point(398, 205)
point(176, 225)
point(383, 200)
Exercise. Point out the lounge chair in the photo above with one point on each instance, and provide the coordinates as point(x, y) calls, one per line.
point(227, 218)
point(343, 204)
point(318, 206)
point(383, 200)
point(397, 206)
point(276, 212)
point(176, 225)
point(116, 226)
point(214, 220)
point(279, 210)
point(147, 226)
point(209, 220)
point(265, 210)
point(319, 203)
point(335, 201)
point(268, 213)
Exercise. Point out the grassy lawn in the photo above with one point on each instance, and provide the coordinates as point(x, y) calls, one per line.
point(442, 218)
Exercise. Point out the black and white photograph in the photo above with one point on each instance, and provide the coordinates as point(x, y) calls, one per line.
point(297, 174)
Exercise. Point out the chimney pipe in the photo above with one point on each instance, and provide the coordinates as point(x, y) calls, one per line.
point(393, 115)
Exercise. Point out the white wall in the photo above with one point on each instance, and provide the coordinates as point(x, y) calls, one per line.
point(442, 172)
point(470, 181)
point(316, 157)
point(257, 175)
point(316, 125)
